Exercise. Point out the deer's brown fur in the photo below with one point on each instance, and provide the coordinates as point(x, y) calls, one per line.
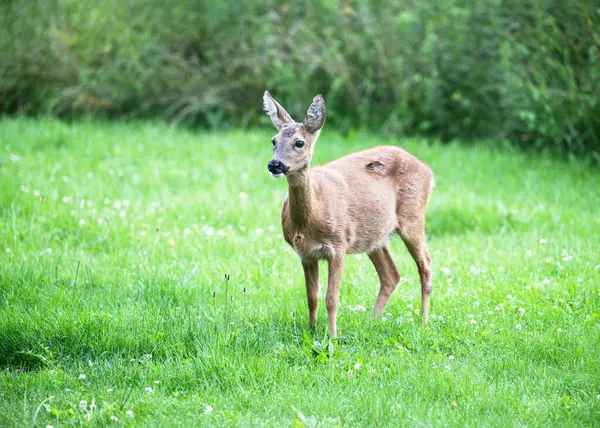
point(351, 205)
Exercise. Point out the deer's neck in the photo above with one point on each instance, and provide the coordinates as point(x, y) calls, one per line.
point(301, 196)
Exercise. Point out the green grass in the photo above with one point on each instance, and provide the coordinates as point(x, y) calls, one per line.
point(112, 276)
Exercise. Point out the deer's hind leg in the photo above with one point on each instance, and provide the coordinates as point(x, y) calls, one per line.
point(413, 235)
point(388, 277)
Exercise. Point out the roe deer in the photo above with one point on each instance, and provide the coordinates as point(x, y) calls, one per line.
point(351, 205)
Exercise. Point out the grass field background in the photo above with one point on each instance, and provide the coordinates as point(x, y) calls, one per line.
point(115, 240)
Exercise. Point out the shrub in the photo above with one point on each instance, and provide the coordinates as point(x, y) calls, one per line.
point(524, 70)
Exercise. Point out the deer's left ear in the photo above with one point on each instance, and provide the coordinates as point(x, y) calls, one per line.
point(315, 116)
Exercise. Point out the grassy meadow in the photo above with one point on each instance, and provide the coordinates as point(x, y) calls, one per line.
point(115, 309)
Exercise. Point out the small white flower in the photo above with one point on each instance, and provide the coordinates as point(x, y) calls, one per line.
point(208, 230)
point(123, 214)
point(156, 382)
point(598, 397)
point(473, 269)
point(259, 231)
point(509, 296)
point(497, 308)
point(81, 222)
point(500, 268)
point(451, 357)
point(208, 409)
point(447, 367)
point(527, 287)
point(411, 320)
point(114, 418)
point(579, 280)
point(529, 253)
point(554, 307)
point(476, 303)
point(518, 326)
point(8, 251)
point(561, 300)
point(149, 390)
point(82, 404)
point(92, 405)
point(109, 390)
point(271, 228)
point(117, 204)
point(470, 316)
point(490, 312)
point(546, 281)
point(100, 221)
point(126, 203)
point(521, 311)
point(14, 158)
point(473, 321)
point(129, 413)
point(49, 426)
point(358, 308)
point(417, 311)
point(446, 271)
point(36, 193)
point(187, 231)
point(357, 367)
point(559, 330)
point(81, 376)
point(543, 241)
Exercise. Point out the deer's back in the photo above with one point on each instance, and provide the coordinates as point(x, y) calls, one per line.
point(369, 192)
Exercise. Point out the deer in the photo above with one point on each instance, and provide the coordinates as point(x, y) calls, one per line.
point(351, 205)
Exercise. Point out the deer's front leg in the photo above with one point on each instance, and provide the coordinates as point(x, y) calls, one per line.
point(336, 266)
point(311, 277)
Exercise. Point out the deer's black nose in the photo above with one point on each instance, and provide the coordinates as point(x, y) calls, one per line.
point(277, 167)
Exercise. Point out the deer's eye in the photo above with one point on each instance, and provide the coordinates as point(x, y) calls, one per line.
point(273, 141)
point(299, 144)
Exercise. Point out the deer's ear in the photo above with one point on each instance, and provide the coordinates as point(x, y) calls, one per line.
point(315, 116)
point(278, 115)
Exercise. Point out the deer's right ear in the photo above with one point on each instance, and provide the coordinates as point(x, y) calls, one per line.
point(278, 115)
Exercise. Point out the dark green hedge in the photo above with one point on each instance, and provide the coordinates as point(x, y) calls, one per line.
point(524, 70)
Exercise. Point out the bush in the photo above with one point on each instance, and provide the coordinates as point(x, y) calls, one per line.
point(524, 70)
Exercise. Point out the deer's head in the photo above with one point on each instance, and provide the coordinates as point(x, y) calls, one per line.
point(294, 143)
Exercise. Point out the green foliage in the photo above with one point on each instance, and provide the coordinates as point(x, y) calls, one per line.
point(115, 239)
point(527, 71)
